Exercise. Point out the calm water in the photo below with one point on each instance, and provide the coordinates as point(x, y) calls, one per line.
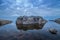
point(10, 32)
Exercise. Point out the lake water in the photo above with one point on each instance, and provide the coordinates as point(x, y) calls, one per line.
point(10, 32)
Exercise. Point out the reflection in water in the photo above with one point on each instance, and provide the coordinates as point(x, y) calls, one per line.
point(10, 32)
point(29, 26)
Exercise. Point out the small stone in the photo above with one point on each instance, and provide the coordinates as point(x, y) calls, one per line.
point(53, 31)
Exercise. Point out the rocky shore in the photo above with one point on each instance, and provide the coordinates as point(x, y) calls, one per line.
point(56, 20)
point(4, 22)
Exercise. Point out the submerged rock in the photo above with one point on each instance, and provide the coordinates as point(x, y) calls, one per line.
point(3, 22)
point(30, 22)
point(53, 31)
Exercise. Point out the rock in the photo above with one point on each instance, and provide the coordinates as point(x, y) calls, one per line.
point(3, 22)
point(56, 20)
point(53, 31)
point(30, 22)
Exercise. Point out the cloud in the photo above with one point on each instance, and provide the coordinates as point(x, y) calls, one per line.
point(31, 7)
point(37, 12)
point(15, 15)
point(43, 12)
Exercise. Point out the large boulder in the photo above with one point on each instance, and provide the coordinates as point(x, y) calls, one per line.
point(3, 22)
point(30, 22)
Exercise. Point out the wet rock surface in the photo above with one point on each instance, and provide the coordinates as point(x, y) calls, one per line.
point(53, 31)
point(4, 22)
point(30, 22)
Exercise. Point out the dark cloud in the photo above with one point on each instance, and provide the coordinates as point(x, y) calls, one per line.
point(6, 4)
point(49, 3)
point(1, 2)
point(32, 7)
point(52, 3)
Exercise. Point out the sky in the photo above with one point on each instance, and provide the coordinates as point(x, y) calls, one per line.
point(45, 8)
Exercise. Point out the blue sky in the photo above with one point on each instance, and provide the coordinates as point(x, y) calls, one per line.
point(30, 7)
